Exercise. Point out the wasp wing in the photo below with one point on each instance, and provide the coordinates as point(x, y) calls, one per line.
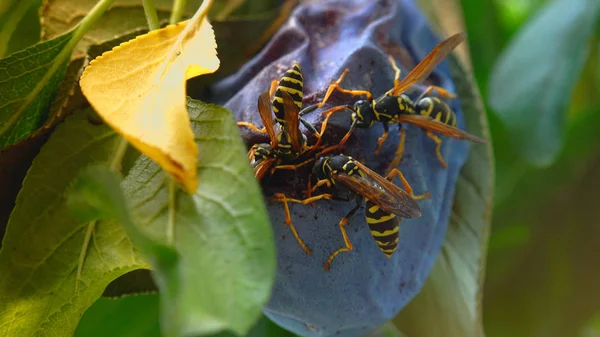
point(264, 109)
point(426, 66)
point(262, 167)
point(434, 125)
point(292, 121)
point(381, 192)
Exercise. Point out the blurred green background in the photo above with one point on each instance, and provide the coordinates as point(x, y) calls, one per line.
point(537, 66)
point(542, 271)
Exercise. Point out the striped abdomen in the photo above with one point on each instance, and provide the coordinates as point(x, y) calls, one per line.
point(384, 228)
point(436, 108)
point(284, 150)
point(292, 83)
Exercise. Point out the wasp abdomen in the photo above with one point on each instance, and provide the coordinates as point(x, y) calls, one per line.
point(437, 109)
point(292, 83)
point(384, 228)
point(284, 150)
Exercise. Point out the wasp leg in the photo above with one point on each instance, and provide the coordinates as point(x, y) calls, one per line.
point(252, 126)
point(251, 152)
point(332, 87)
point(338, 146)
point(306, 124)
point(328, 114)
point(396, 70)
point(310, 127)
point(288, 221)
point(292, 167)
point(400, 150)
point(438, 145)
point(310, 189)
point(380, 141)
point(308, 109)
point(273, 87)
point(348, 245)
point(336, 85)
point(407, 187)
point(317, 185)
point(280, 197)
point(383, 137)
point(324, 126)
point(441, 91)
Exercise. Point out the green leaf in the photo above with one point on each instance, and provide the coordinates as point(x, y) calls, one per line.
point(534, 77)
point(222, 234)
point(96, 195)
point(21, 73)
point(39, 292)
point(451, 297)
point(19, 27)
point(131, 316)
point(16, 159)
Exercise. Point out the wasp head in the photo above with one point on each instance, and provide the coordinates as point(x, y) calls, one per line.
point(260, 152)
point(363, 115)
point(321, 169)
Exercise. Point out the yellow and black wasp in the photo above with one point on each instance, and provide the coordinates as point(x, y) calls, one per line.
point(292, 82)
point(265, 157)
point(284, 147)
point(384, 201)
point(289, 144)
point(431, 114)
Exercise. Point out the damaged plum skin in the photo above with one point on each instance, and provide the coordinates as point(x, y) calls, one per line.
point(364, 288)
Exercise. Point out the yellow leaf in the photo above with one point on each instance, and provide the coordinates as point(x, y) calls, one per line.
point(138, 88)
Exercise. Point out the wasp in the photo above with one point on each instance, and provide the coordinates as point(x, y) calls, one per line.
point(429, 113)
point(292, 82)
point(285, 147)
point(264, 157)
point(289, 144)
point(384, 201)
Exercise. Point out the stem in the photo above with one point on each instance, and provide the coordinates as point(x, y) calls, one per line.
point(84, 248)
point(171, 219)
point(82, 28)
point(151, 16)
point(115, 163)
point(231, 6)
point(177, 12)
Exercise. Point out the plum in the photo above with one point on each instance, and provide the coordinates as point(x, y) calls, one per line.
point(363, 289)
